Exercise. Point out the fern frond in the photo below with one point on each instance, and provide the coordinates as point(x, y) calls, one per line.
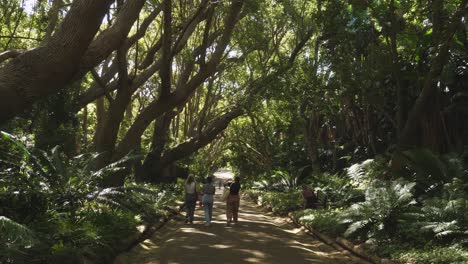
point(356, 226)
point(17, 233)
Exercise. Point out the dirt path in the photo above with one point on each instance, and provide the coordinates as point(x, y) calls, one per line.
point(257, 238)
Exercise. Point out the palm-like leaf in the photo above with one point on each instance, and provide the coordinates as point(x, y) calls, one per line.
point(380, 211)
point(13, 232)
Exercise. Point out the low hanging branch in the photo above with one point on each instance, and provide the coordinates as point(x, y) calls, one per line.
point(47, 69)
point(10, 54)
point(183, 92)
point(208, 135)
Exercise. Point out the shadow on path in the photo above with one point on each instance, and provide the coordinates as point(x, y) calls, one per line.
point(257, 238)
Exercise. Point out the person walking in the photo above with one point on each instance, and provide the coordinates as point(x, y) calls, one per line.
point(233, 201)
point(208, 192)
point(190, 198)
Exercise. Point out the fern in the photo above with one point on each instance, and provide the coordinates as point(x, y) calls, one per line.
point(378, 215)
point(15, 233)
point(446, 219)
point(431, 171)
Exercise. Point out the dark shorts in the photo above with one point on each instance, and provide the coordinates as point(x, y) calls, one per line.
point(311, 202)
point(190, 198)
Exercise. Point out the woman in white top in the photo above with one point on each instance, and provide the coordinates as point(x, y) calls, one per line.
point(208, 192)
point(190, 198)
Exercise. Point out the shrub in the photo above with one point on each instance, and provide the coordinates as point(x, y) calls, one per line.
point(282, 203)
point(277, 180)
point(380, 214)
point(336, 190)
point(54, 206)
point(444, 218)
point(279, 202)
point(253, 194)
point(438, 255)
point(327, 221)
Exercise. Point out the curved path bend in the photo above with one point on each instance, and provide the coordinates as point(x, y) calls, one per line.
point(259, 237)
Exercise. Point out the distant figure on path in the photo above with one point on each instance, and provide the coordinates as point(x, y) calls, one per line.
point(232, 202)
point(208, 192)
point(220, 184)
point(310, 198)
point(190, 198)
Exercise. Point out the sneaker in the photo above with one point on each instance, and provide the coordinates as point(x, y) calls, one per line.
point(207, 224)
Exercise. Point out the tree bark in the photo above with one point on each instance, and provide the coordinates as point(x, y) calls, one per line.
point(53, 19)
point(47, 69)
point(107, 140)
point(401, 93)
point(429, 90)
point(191, 146)
point(111, 39)
point(183, 92)
point(152, 169)
point(165, 72)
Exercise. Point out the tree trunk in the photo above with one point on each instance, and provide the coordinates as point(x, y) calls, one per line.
point(311, 136)
point(47, 69)
point(401, 92)
point(107, 140)
point(429, 91)
point(152, 168)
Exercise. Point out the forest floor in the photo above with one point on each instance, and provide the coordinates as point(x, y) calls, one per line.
point(259, 237)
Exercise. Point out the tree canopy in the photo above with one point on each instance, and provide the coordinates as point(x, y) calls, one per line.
point(274, 89)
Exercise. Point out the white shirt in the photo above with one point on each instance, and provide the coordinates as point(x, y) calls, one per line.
point(190, 188)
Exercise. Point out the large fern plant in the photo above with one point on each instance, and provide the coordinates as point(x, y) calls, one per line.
point(13, 238)
point(445, 217)
point(431, 171)
point(379, 214)
point(51, 180)
point(53, 199)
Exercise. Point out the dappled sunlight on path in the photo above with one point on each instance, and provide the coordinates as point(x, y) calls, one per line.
point(257, 238)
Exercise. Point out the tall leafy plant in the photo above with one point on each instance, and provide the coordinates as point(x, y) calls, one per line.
point(380, 214)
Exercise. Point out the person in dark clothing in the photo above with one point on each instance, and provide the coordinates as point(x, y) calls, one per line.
point(233, 201)
point(310, 198)
point(190, 198)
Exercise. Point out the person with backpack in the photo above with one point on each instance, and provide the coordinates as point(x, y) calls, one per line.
point(207, 198)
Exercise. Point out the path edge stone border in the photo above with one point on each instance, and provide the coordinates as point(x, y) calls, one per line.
point(343, 243)
point(149, 230)
point(339, 243)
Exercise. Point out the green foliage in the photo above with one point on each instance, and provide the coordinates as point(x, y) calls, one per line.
point(279, 202)
point(336, 191)
point(447, 219)
point(277, 180)
point(443, 218)
point(14, 237)
point(438, 255)
point(431, 171)
point(282, 203)
point(380, 214)
point(327, 221)
point(56, 208)
point(254, 194)
point(361, 175)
